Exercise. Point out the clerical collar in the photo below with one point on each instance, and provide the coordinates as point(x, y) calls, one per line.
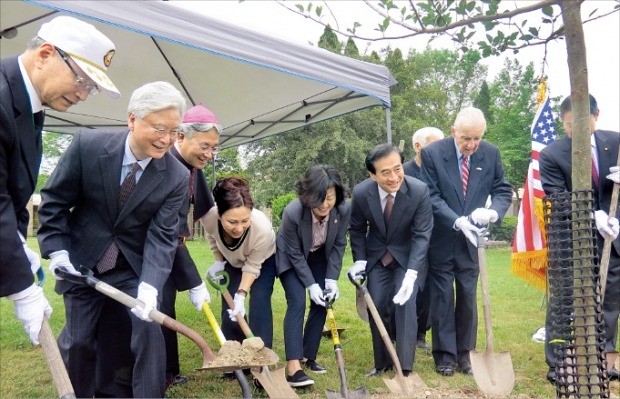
point(35, 102)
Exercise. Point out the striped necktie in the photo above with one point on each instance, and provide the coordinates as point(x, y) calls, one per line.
point(465, 174)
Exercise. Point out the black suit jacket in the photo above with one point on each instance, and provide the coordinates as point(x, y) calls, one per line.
point(407, 237)
point(20, 158)
point(440, 170)
point(412, 169)
point(79, 210)
point(184, 274)
point(556, 170)
point(294, 240)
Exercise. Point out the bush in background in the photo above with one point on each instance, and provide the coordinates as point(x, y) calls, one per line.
point(505, 231)
point(277, 207)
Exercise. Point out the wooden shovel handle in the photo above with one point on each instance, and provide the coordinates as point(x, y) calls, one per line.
point(55, 362)
point(159, 318)
point(484, 284)
point(613, 206)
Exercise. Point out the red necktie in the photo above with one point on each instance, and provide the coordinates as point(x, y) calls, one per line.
point(594, 174)
point(465, 174)
point(387, 257)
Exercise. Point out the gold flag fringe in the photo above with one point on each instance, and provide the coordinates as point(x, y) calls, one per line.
point(531, 266)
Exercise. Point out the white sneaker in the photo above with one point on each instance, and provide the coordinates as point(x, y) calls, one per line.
point(539, 335)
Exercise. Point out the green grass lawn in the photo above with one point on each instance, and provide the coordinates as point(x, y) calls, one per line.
point(516, 310)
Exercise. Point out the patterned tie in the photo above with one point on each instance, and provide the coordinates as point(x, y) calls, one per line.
point(387, 257)
point(595, 174)
point(465, 174)
point(108, 260)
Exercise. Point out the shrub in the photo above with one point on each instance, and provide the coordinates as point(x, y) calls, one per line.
point(277, 207)
point(505, 231)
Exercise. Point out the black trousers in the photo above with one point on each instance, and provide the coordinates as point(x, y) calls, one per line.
point(78, 343)
point(260, 313)
point(300, 342)
point(400, 321)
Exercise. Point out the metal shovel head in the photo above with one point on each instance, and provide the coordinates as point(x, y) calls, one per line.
point(274, 382)
point(359, 393)
point(360, 304)
point(411, 385)
point(493, 372)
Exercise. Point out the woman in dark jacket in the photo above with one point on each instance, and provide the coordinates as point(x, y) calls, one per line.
point(310, 245)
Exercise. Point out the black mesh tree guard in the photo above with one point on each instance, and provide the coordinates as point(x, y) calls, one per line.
point(576, 329)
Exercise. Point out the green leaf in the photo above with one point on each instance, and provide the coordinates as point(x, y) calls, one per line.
point(318, 11)
point(526, 38)
point(300, 7)
point(470, 6)
point(533, 31)
point(547, 10)
point(488, 25)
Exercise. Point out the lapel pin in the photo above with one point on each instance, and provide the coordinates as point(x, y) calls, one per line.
point(478, 168)
point(335, 220)
point(606, 149)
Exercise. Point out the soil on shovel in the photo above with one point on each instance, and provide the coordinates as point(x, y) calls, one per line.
point(249, 353)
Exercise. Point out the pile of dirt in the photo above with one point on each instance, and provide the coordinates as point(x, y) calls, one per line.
point(251, 352)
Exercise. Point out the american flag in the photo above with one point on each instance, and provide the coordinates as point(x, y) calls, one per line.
point(529, 253)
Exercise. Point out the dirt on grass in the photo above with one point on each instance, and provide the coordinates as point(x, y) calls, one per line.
point(251, 352)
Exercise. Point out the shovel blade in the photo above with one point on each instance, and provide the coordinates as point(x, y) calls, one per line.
point(274, 382)
point(410, 385)
point(360, 305)
point(493, 372)
point(359, 393)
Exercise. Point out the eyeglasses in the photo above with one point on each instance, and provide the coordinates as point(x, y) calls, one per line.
point(205, 148)
point(161, 132)
point(80, 81)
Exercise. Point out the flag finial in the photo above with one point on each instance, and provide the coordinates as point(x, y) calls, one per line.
point(542, 90)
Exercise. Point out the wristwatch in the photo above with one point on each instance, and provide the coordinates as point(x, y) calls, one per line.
point(242, 292)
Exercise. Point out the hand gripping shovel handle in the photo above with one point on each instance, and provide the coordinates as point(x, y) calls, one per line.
point(223, 289)
point(55, 362)
point(106, 289)
point(613, 206)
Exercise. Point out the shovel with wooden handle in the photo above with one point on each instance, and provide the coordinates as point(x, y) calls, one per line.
point(493, 372)
point(54, 362)
point(88, 278)
point(274, 383)
point(221, 339)
point(610, 356)
point(399, 384)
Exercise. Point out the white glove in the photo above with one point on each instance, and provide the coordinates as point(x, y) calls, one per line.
point(469, 230)
point(31, 307)
point(316, 294)
point(607, 226)
point(406, 289)
point(61, 258)
point(331, 286)
point(199, 295)
point(239, 307)
point(484, 216)
point(147, 294)
point(33, 257)
point(357, 269)
point(614, 174)
point(217, 267)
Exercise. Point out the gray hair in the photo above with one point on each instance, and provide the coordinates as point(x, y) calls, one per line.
point(470, 116)
point(153, 97)
point(190, 129)
point(421, 135)
point(35, 42)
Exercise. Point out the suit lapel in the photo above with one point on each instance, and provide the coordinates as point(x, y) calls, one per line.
point(476, 169)
point(400, 205)
point(110, 164)
point(332, 229)
point(374, 204)
point(29, 137)
point(306, 229)
point(452, 169)
point(606, 157)
point(151, 178)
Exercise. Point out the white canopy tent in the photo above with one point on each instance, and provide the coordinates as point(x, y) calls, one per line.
point(257, 85)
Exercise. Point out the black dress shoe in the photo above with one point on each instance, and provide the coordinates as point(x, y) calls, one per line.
point(422, 344)
point(613, 374)
point(552, 377)
point(446, 370)
point(376, 372)
point(180, 379)
point(465, 368)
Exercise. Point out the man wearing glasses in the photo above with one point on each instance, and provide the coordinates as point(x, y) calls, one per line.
point(112, 205)
point(195, 147)
point(62, 66)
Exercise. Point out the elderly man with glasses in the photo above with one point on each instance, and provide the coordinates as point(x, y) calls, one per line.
point(62, 66)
